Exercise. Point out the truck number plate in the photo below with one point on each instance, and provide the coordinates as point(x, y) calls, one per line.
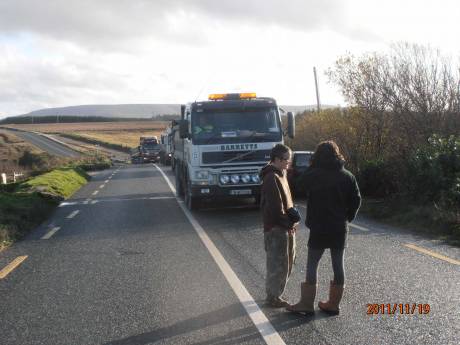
point(240, 192)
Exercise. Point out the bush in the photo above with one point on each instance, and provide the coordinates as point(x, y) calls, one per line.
point(435, 171)
point(378, 178)
point(39, 163)
point(30, 160)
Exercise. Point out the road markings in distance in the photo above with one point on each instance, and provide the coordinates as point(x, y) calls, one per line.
point(265, 328)
point(12, 265)
point(62, 204)
point(73, 214)
point(86, 201)
point(433, 254)
point(359, 227)
point(95, 192)
point(101, 186)
point(107, 181)
point(51, 233)
point(158, 198)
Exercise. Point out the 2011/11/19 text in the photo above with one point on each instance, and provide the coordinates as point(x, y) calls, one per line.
point(401, 308)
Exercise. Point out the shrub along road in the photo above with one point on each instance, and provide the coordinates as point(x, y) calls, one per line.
point(121, 262)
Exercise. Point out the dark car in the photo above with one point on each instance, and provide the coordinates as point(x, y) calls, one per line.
point(300, 163)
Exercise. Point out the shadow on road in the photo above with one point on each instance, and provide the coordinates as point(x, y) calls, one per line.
point(282, 322)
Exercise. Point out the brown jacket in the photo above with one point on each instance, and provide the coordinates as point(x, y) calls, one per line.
point(275, 198)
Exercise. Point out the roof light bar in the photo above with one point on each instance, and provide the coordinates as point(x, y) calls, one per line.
point(227, 96)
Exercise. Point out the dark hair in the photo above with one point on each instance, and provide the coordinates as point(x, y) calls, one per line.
point(327, 155)
point(279, 150)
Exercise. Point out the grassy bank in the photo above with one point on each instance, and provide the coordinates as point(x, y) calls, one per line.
point(422, 218)
point(94, 141)
point(25, 205)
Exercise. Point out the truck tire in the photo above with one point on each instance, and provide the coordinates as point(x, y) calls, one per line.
point(257, 201)
point(190, 201)
point(179, 187)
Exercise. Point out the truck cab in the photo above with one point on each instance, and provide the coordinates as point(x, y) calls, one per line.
point(149, 149)
point(223, 143)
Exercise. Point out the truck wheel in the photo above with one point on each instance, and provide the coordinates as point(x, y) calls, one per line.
point(190, 201)
point(257, 201)
point(179, 188)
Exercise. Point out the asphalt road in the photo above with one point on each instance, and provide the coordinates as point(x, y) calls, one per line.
point(121, 262)
point(46, 144)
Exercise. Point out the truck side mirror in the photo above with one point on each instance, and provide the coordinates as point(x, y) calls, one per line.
point(183, 129)
point(291, 125)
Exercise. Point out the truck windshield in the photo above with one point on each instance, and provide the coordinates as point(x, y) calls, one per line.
point(150, 144)
point(223, 126)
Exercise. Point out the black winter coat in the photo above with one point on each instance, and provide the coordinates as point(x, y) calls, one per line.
point(333, 199)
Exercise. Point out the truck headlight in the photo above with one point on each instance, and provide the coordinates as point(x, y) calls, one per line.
point(235, 179)
point(224, 179)
point(202, 174)
point(255, 178)
point(245, 178)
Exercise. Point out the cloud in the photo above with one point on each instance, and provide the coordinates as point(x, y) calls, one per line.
point(111, 24)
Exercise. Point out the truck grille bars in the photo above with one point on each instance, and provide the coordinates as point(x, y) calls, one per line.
point(246, 156)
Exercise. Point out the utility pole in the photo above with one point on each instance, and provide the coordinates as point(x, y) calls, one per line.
point(318, 103)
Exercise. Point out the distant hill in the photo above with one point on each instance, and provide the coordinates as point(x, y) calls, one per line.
point(128, 110)
point(111, 110)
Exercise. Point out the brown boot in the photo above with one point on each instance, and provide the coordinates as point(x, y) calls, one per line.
point(277, 302)
point(335, 296)
point(307, 299)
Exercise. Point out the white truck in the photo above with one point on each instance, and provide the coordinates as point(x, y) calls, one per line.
point(166, 145)
point(222, 144)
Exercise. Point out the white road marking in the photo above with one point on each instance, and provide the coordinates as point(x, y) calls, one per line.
point(359, 227)
point(86, 201)
point(106, 181)
point(266, 330)
point(73, 214)
point(160, 197)
point(62, 204)
point(51, 233)
point(101, 186)
point(93, 202)
point(95, 192)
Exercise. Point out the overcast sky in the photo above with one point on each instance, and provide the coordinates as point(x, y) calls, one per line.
point(60, 53)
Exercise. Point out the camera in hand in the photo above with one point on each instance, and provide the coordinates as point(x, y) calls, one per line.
point(294, 215)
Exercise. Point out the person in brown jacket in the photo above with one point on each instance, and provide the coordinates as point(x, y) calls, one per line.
point(279, 229)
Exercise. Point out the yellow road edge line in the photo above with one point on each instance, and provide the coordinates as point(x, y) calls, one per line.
point(433, 254)
point(12, 265)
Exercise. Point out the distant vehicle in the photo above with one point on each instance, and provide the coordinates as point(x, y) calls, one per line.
point(166, 148)
point(147, 151)
point(300, 163)
point(222, 143)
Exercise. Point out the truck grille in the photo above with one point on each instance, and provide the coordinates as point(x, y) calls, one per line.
point(222, 156)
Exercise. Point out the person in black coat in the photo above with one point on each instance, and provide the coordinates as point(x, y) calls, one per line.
point(333, 200)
